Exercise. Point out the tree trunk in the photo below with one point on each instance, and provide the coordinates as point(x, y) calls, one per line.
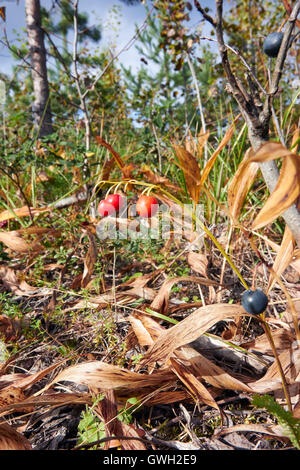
point(41, 105)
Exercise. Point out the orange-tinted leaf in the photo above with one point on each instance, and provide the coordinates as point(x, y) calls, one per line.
point(241, 183)
point(285, 193)
point(191, 169)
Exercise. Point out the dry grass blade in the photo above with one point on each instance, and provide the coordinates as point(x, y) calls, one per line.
point(271, 430)
point(228, 135)
point(197, 389)
point(241, 183)
point(90, 259)
point(190, 329)
point(10, 439)
point(22, 212)
point(283, 257)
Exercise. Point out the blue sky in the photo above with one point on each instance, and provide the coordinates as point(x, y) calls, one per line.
point(107, 12)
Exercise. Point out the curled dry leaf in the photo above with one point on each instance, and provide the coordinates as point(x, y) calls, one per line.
point(189, 329)
point(10, 280)
point(210, 372)
point(198, 262)
point(271, 381)
point(202, 139)
point(241, 183)
point(288, 185)
point(10, 439)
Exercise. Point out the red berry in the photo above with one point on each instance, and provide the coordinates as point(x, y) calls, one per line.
point(105, 208)
point(147, 206)
point(116, 200)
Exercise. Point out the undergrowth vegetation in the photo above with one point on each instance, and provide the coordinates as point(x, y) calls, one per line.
point(128, 332)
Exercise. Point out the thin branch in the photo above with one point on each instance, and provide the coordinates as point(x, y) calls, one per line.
point(204, 14)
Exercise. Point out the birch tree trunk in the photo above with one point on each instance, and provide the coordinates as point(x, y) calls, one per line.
point(41, 105)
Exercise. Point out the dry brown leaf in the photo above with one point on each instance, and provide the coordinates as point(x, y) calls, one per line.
point(189, 329)
point(272, 430)
point(197, 389)
point(288, 185)
point(271, 381)
point(191, 169)
point(10, 439)
point(198, 262)
point(154, 178)
point(210, 372)
point(107, 409)
point(283, 257)
point(114, 153)
point(9, 329)
point(10, 280)
point(282, 339)
point(15, 242)
point(107, 376)
point(161, 301)
point(89, 260)
point(241, 183)
point(143, 336)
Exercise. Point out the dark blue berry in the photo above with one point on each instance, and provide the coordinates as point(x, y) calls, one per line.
point(254, 301)
point(272, 44)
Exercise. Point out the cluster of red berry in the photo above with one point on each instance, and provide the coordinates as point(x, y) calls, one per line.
point(146, 206)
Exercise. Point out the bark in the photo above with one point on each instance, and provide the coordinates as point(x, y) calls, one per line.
point(41, 104)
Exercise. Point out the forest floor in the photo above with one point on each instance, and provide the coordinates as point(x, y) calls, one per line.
point(103, 339)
